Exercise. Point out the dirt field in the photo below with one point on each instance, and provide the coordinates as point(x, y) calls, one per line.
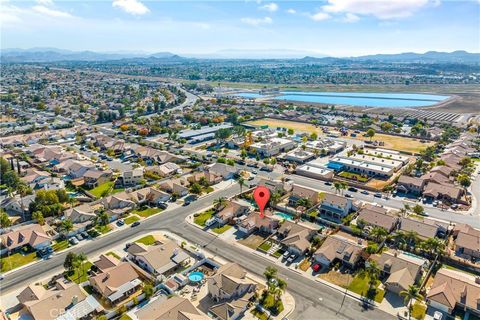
point(408, 145)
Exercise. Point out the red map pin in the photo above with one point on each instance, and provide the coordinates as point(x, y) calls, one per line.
point(261, 196)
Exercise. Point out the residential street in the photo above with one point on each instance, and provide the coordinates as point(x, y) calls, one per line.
point(313, 300)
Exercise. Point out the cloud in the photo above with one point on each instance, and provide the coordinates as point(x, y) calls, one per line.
point(257, 21)
point(293, 11)
point(381, 9)
point(45, 2)
point(134, 7)
point(271, 7)
point(320, 16)
point(51, 12)
point(350, 18)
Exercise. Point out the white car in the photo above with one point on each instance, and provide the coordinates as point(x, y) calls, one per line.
point(437, 315)
point(210, 222)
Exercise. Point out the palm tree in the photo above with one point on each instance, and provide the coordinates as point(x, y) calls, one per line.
point(241, 182)
point(378, 233)
point(411, 237)
point(372, 271)
point(339, 186)
point(413, 293)
point(66, 226)
point(275, 198)
point(79, 260)
point(220, 203)
point(434, 246)
point(270, 273)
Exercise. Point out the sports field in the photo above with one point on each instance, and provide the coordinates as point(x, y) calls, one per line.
point(409, 145)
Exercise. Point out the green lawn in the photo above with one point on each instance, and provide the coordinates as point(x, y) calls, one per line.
point(221, 230)
point(102, 189)
point(113, 254)
point(16, 260)
point(278, 253)
point(147, 212)
point(359, 285)
point(131, 219)
point(259, 314)
point(80, 274)
point(103, 229)
point(265, 246)
point(207, 189)
point(418, 311)
point(60, 245)
point(147, 240)
point(124, 317)
point(201, 218)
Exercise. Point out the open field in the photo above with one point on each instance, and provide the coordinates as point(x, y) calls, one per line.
point(404, 144)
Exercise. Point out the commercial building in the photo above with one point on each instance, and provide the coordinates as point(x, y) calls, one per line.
point(273, 146)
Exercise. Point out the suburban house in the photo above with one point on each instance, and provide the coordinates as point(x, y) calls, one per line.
point(223, 170)
point(230, 282)
point(231, 310)
point(81, 215)
point(335, 207)
point(209, 177)
point(295, 237)
point(443, 192)
point(413, 185)
point(299, 192)
point(339, 248)
point(116, 283)
point(149, 195)
point(376, 216)
point(230, 211)
point(94, 178)
point(424, 230)
point(174, 308)
point(161, 259)
point(17, 205)
point(399, 269)
point(165, 170)
point(130, 178)
point(105, 262)
point(451, 289)
point(467, 241)
point(32, 235)
point(67, 300)
point(254, 222)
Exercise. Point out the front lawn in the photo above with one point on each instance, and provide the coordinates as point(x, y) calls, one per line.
point(360, 286)
point(201, 218)
point(278, 253)
point(147, 240)
point(265, 246)
point(418, 311)
point(60, 245)
point(16, 260)
point(147, 212)
point(103, 229)
point(220, 230)
point(113, 254)
point(207, 189)
point(102, 190)
point(80, 274)
point(305, 264)
point(260, 314)
point(131, 219)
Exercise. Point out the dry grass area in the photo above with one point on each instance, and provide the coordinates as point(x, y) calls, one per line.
point(252, 241)
point(340, 279)
point(404, 144)
point(305, 264)
point(6, 118)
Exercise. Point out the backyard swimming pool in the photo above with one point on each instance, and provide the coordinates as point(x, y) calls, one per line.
point(285, 216)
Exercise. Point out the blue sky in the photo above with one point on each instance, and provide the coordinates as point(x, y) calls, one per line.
point(332, 27)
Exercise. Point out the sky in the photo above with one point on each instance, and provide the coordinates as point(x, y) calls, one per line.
point(328, 27)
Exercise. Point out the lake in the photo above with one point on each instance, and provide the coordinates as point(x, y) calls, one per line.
point(362, 99)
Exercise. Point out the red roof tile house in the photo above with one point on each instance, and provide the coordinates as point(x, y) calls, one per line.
point(452, 288)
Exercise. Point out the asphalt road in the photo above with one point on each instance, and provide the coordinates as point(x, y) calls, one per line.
point(396, 202)
point(313, 300)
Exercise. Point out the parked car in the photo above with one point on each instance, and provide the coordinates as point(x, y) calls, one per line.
point(286, 254)
point(292, 258)
point(328, 183)
point(352, 189)
point(73, 241)
point(210, 222)
point(241, 162)
point(377, 195)
point(136, 223)
point(79, 237)
point(364, 192)
point(251, 178)
point(348, 195)
point(120, 222)
point(84, 234)
point(163, 205)
point(316, 267)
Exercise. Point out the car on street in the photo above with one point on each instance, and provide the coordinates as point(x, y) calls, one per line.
point(73, 241)
point(364, 192)
point(377, 195)
point(348, 195)
point(352, 189)
point(251, 178)
point(135, 224)
point(328, 183)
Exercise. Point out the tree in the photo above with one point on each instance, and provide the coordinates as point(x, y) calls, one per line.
point(314, 136)
point(37, 215)
point(102, 218)
point(221, 135)
point(412, 293)
point(464, 180)
point(270, 273)
point(290, 131)
point(370, 133)
point(66, 226)
point(418, 209)
point(69, 262)
point(411, 237)
point(78, 263)
point(434, 246)
point(243, 154)
point(196, 188)
point(220, 203)
point(4, 219)
point(241, 182)
point(378, 233)
point(339, 186)
point(275, 198)
point(371, 271)
point(148, 290)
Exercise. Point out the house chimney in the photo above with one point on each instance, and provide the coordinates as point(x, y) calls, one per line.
point(74, 300)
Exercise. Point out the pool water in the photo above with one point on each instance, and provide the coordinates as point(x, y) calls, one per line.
point(196, 276)
point(285, 216)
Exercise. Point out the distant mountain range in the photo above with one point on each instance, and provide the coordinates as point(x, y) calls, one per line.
point(56, 55)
